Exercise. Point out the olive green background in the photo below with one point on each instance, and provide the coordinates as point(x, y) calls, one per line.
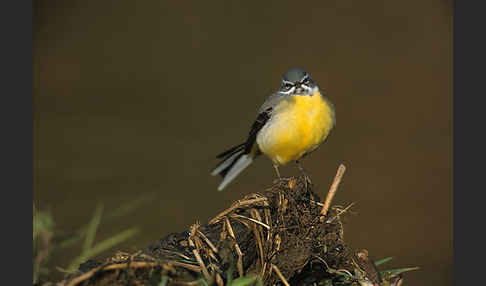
point(137, 97)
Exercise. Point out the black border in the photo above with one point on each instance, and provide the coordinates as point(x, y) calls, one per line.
point(469, 62)
point(17, 141)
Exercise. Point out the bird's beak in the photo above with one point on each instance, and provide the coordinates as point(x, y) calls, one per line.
point(299, 89)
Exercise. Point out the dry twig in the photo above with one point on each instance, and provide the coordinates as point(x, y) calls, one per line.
point(195, 251)
point(333, 189)
point(236, 205)
point(137, 264)
point(239, 263)
point(284, 281)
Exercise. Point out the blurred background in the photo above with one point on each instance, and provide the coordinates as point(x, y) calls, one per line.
point(133, 99)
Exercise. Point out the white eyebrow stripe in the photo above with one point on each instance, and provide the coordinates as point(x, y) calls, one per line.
point(289, 91)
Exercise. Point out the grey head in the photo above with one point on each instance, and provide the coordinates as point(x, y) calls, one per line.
point(296, 81)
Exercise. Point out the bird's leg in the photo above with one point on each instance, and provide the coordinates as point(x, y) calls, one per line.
point(299, 165)
point(306, 178)
point(277, 171)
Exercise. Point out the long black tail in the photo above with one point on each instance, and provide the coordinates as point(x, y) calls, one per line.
point(228, 159)
point(233, 162)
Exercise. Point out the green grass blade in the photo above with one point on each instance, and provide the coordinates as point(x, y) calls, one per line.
point(130, 206)
point(259, 281)
point(164, 280)
point(102, 246)
point(70, 241)
point(42, 222)
point(203, 282)
point(122, 210)
point(244, 281)
point(384, 260)
point(92, 228)
point(229, 274)
point(395, 272)
point(63, 270)
point(42, 230)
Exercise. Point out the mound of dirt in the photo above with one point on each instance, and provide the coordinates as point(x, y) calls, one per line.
point(281, 236)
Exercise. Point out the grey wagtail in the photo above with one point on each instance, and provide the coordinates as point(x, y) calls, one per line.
point(291, 123)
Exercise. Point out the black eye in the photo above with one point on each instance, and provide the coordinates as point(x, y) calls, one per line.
point(306, 81)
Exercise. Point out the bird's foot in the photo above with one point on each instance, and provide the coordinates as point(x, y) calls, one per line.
point(275, 166)
point(307, 179)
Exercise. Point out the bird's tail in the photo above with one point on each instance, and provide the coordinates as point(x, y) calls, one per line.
point(233, 162)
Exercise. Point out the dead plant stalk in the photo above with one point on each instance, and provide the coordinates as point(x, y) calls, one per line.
point(333, 189)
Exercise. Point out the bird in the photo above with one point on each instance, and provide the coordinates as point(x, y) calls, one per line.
point(292, 122)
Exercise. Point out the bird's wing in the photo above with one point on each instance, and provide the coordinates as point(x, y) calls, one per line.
point(264, 114)
point(272, 101)
point(261, 120)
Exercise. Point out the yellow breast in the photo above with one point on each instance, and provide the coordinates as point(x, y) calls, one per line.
point(297, 126)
